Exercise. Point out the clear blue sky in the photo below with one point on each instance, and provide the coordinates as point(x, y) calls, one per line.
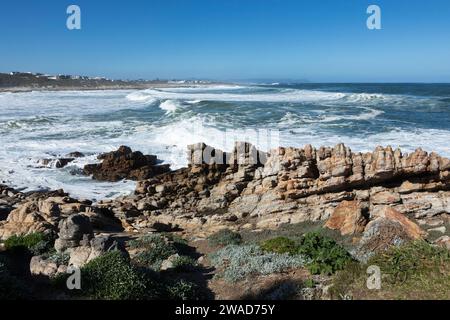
point(322, 41)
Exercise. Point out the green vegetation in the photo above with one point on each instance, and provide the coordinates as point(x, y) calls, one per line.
point(181, 290)
point(225, 237)
point(280, 245)
point(325, 254)
point(238, 262)
point(155, 249)
point(416, 270)
point(184, 264)
point(111, 277)
point(60, 258)
point(36, 243)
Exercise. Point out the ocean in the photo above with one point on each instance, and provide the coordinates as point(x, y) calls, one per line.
point(39, 125)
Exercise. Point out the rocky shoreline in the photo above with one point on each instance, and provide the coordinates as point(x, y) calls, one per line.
point(378, 199)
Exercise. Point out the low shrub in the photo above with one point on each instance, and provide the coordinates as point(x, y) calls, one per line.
point(325, 254)
point(36, 243)
point(280, 245)
point(238, 262)
point(225, 237)
point(411, 260)
point(184, 264)
point(112, 277)
point(415, 270)
point(182, 290)
point(60, 258)
point(154, 250)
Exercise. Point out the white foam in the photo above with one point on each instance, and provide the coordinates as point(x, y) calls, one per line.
point(287, 95)
point(169, 106)
point(41, 125)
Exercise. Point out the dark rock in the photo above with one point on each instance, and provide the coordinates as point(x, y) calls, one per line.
point(125, 164)
point(74, 231)
point(57, 163)
point(75, 154)
point(4, 212)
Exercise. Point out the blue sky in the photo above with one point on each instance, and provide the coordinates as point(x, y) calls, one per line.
point(322, 41)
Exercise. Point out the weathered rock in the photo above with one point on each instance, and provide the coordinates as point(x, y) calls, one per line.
point(347, 218)
point(411, 228)
point(25, 220)
point(169, 263)
point(125, 164)
point(379, 235)
point(40, 266)
point(75, 154)
point(56, 163)
point(74, 231)
point(443, 241)
point(98, 246)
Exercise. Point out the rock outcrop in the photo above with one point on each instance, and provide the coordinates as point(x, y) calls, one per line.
point(380, 198)
point(27, 213)
point(125, 164)
point(289, 185)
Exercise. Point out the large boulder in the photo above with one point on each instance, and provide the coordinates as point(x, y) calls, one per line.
point(125, 164)
point(390, 228)
point(75, 230)
point(27, 219)
point(41, 266)
point(348, 218)
point(98, 246)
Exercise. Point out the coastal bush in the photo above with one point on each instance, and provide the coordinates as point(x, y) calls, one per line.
point(36, 243)
point(60, 258)
point(154, 250)
point(182, 290)
point(184, 264)
point(415, 270)
point(411, 260)
point(225, 237)
point(112, 277)
point(238, 262)
point(325, 254)
point(280, 245)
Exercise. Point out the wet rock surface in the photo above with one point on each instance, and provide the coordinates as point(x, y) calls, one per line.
point(125, 164)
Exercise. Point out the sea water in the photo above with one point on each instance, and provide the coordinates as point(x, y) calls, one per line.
point(163, 121)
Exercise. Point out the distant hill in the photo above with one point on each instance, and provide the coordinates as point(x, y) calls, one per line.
point(38, 80)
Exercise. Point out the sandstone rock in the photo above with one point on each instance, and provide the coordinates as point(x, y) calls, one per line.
point(442, 229)
point(125, 164)
point(411, 228)
point(98, 246)
point(347, 218)
point(385, 197)
point(40, 266)
point(443, 241)
point(379, 235)
point(24, 220)
point(168, 264)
